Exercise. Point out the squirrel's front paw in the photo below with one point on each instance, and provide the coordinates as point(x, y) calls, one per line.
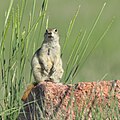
point(46, 72)
point(46, 68)
point(53, 69)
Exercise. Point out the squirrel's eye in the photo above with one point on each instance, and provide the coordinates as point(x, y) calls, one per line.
point(56, 30)
point(46, 31)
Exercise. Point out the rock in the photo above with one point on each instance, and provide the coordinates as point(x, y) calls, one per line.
point(51, 101)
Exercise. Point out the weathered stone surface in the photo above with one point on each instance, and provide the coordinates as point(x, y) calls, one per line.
point(54, 101)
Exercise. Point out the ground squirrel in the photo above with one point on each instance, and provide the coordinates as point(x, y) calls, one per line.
point(46, 62)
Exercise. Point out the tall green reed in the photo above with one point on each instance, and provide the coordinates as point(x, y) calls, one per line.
point(15, 49)
point(79, 54)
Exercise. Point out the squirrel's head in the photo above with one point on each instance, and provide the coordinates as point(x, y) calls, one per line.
point(51, 34)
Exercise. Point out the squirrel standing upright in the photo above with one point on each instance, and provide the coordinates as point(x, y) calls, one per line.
point(46, 62)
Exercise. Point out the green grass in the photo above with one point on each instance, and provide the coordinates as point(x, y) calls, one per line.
point(22, 33)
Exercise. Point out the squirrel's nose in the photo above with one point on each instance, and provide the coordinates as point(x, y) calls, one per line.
point(49, 33)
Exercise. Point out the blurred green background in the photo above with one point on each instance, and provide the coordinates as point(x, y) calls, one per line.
point(106, 58)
